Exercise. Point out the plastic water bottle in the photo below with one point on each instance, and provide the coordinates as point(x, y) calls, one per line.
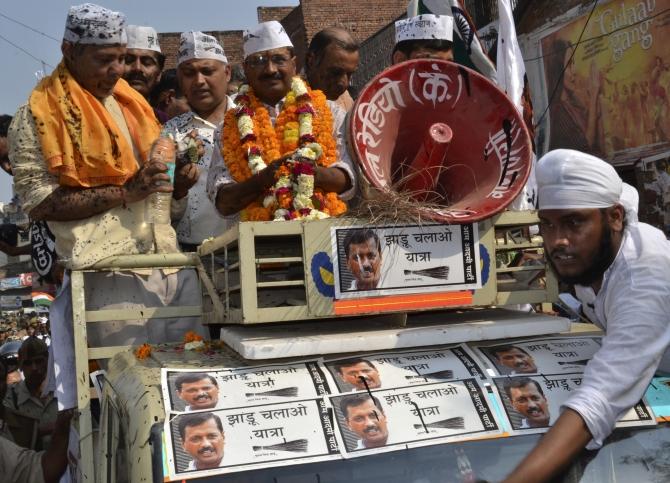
point(159, 203)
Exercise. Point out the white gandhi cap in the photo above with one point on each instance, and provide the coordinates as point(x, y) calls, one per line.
point(140, 37)
point(196, 45)
point(92, 24)
point(568, 179)
point(265, 36)
point(425, 27)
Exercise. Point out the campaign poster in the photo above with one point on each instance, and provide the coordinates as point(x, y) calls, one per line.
point(610, 94)
point(401, 368)
point(393, 419)
point(532, 403)
point(403, 259)
point(192, 389)
point(205, 443)
point(533, 356)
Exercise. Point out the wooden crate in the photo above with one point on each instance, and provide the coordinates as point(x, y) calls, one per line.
point(262, 270)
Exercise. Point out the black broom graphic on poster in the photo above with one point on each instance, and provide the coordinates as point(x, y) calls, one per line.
point(446, 374)
point(452, 423)
point(581, 362)
point(296, 446)
point(284, 392)
point(441, 272)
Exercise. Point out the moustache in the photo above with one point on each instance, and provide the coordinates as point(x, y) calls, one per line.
point(206, 448)
point(370, 428)
point(275, 76)
point(202, 396)
point(133, 76)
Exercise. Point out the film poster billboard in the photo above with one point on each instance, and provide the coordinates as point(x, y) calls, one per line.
point(610, 94)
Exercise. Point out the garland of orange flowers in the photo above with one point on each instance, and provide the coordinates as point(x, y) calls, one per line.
point(249, 142)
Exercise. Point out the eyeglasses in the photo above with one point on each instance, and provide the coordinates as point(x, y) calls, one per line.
point(263, 60)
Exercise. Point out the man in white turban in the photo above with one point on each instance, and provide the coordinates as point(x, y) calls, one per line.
point(619, 268)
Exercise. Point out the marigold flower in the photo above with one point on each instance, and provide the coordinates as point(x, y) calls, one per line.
point(143, 351)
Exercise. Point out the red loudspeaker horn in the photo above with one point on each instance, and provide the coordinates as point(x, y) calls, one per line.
point(442, 132)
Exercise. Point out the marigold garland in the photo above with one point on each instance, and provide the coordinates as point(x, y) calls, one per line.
point(192, 336)
point(249, 141)
point(143, 351)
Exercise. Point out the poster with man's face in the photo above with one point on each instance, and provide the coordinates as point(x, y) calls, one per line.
point(385, 370)
point(194, 390)
point(207, 443)
point(385, 420)
point(386, 260)
point(533, 356)
point(532, 403)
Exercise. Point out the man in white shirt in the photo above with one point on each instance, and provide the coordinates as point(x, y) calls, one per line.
point(620, 272)
point(203, 438)
point(270, 66)
point(528, 399)
point(365, 417)
point(355, 371)
point(198, 390)
point(203, 74)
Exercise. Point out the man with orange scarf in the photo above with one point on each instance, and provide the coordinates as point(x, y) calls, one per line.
point(80, 154)
point(277, 114)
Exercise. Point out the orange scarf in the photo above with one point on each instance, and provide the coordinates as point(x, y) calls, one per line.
point(80, 139)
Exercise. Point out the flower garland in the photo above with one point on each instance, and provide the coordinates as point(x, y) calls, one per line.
point(192, 342)
point(303, 131)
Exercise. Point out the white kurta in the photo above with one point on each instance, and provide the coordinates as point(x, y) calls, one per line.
point(633, 308)
point(201, 220)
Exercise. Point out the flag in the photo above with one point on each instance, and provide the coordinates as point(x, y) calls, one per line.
point(511, 76)
point(42, 298)
point(468, 49)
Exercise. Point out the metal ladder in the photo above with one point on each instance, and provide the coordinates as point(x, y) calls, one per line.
point(81, 317)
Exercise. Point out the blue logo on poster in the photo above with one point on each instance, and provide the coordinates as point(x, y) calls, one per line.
point(485, 260)
point(322, 274)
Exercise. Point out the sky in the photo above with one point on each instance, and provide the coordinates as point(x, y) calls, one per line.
point(20, 69)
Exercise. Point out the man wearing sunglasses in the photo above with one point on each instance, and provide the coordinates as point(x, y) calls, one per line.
point(270, 67)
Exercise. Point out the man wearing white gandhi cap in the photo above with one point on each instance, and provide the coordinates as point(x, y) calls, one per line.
point(620, 271)
point(144, 59)
point(242, 171)
point(80, 151)
point(203, 74)
point(425, 36)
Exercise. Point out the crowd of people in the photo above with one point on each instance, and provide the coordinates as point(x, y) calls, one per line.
point(87, 166)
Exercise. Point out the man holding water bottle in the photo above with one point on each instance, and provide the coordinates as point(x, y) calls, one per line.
point(83, 151)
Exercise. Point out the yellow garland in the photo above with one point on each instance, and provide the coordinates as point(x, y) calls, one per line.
point(275, 142)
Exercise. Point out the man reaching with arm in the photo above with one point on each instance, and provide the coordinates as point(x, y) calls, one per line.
point(620, 272)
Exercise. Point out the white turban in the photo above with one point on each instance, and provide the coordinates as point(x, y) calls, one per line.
point(425, 27)
point(568, 179)
point(630, 200)
point(265, 36)
point(196, 45)
point(144, 38)
point(93, 24)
